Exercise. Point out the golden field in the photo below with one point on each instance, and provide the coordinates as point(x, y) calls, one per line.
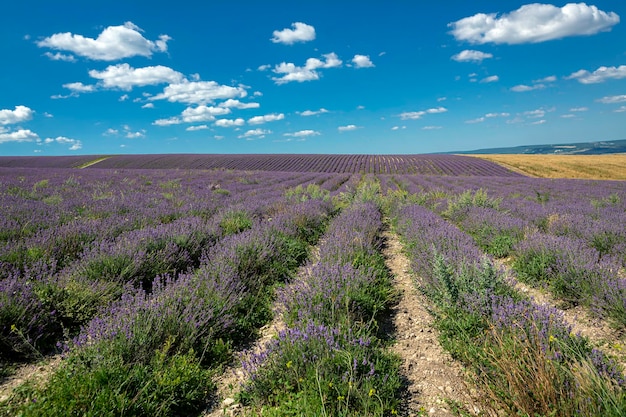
point(600, 167)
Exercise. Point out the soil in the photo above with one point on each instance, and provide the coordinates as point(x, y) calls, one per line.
point(433, 379)
point(37, 373)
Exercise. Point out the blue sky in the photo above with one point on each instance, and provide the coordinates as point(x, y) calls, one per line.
point(368, 77)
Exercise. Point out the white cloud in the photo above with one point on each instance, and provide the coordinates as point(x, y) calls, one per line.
point(539, 113)
point(600, 75)
point(124, 77)
point(581, 109)
point(167, 122)
point(21, 135)
point(539, 122)
point(490, 79)
point(568, 116)
point(524, 88)
point(229, 122)
point(148, 106)
point(414, 115)
point(301, 32)
point(533, 23)
point(307, 113)
point(474, 121)
point(303, 133)
point(232, 103)
point(491, 115)
point(264, 67)
point(195, 128)
point(60, 57)
point(135, 135)
point(203, 113)
point(255, 133)
point(431, 127)
point(362, 61)
point(469, 55)
point(549, 79)
point(199, 92)
point(257, 120)
point(612, 99)
point(111, 132)
point(74, 144)
point(115, 42)
point(398, 127)
point(123, 97)
point(309, 72)
point(487, 116)
point(20, 114)
point(622, 109)
point(347, 128)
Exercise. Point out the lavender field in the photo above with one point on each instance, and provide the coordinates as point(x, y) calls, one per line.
point(152, 275)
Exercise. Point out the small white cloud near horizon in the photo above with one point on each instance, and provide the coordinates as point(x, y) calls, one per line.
point(415, 115)
point(196, 128)
point(533, 23)
point(199, 92)
point(255, 134)
point(580, 109)
point(303, 133)
point(362, 61)
point(257, 120)
point(75, 145)
point(347, 128)
point(20, 135)
point(470, 55)
point(301, 32)
point(115, 42)
point(308, 113)
point(432, 127)
point(232, 103)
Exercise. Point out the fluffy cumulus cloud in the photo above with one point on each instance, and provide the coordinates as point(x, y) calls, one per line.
point(308, 72)
point(74, 145)
point(257, 120)
point(300, 32)
point(414, 115)
point(115, 42)
point(60, 57)
point(469, 55)
point(255, 134)
point(600, 75)
point(21, 135)
point(229, 122)
point(308, 113)
point(125, 77)
point(201, 113)
point(196, 128)
point(199, 92)
point(303, 133)
point(533, 23)
point(232, 103)
point(612, 99)
point(347, 128)
point(362, 61)
point(18, 115)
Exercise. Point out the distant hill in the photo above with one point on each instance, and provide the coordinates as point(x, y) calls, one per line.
point(584, 148)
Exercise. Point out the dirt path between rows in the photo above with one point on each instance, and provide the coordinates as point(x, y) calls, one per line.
point(432, 376)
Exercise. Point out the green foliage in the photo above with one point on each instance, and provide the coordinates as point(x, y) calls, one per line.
point(310, 192)
point(168, 385)
point(457, 206)
point(235, 221)
point(535, 266)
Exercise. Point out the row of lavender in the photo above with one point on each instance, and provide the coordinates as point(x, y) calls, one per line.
point(524, 355)
point(566, 235)
point(70, 244)
point(328, 360)
point(153, 349)
point(353, 164)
